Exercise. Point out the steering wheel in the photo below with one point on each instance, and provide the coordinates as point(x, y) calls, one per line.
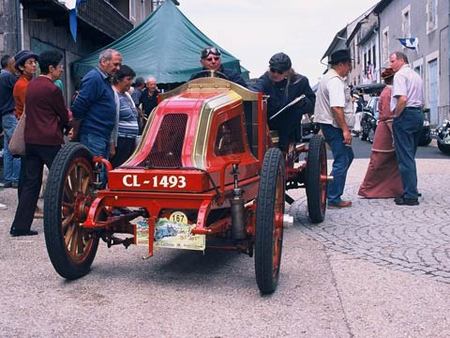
point(210, 73)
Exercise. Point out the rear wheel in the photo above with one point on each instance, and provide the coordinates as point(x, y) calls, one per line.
point(316, 179)
point(68, 195)
point(269, 221)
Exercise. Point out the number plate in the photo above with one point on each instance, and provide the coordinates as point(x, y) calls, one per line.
point(157, 181)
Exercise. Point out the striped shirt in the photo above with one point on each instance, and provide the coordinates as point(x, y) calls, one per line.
point(128, 115)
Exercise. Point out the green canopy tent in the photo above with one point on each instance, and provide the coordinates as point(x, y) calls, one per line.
point(166, 45)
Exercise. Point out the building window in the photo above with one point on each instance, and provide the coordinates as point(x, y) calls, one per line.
point(431, 10)
point(406, 22)
point(385, 44)
point(133, 10)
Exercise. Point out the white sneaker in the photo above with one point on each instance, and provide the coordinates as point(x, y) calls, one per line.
point(3, 206)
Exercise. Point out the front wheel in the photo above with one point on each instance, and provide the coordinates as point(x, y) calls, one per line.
point(269, 221)
point(316, 179)
point(444, 148)
point(69, 193)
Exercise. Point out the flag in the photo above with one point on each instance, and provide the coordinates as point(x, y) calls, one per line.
point(410, 43)
point(72, 6)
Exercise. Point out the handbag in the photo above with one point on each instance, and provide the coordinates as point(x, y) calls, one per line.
point(17, 143)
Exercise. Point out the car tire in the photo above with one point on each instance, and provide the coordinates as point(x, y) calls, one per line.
point(269, 221)
point(316, 182)
point(69, 191)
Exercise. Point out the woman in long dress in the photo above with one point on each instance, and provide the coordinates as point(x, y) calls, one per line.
point(382, 178)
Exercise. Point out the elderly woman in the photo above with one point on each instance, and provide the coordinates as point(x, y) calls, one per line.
point(46, 117)
point(128, 127)
point(382, 179)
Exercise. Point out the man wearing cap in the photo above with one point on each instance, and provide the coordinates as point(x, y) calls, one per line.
point(334, 113)
point(94, 109)
point(406, 105)
point(11, 166)
point(211, 60)
point(283, 85)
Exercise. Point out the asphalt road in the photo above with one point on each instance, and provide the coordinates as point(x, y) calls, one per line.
point(375, 270)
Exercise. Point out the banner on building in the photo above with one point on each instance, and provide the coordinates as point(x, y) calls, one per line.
point(410, 43)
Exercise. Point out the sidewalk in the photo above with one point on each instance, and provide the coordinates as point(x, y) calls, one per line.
point(391, 263)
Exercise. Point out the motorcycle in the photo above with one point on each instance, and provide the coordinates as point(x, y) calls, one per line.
point(368, 125)
point(443, 137)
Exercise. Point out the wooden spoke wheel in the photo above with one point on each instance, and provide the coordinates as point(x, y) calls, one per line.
point(68, 195)
point(269, 221)
point(316, 179)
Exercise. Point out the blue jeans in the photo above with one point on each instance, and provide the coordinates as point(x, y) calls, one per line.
point(98, 146)
point(343, 157)
point(11, 165)
point(407, 128)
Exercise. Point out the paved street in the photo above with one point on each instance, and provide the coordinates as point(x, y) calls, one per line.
point(375, 270)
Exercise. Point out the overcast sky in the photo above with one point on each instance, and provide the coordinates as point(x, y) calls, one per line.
point(254, 30)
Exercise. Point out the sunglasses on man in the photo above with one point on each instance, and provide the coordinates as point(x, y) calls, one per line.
point(212, 58)
point(273, 70)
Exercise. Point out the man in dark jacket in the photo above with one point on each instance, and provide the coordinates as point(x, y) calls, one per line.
point(211, 60)
point(283, 85)
point(11, 166)
point(94, 109)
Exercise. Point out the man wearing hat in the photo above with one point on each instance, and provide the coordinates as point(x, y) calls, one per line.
point(283, 85)
point(210, 59)
point(11, 166)
point(334, 113)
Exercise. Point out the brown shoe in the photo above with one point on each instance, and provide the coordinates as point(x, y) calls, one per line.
point(339, 205)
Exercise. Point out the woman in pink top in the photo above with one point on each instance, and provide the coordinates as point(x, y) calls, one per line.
point(382, 178)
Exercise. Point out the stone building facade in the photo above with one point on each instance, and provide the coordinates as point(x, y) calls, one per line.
point(44, 24)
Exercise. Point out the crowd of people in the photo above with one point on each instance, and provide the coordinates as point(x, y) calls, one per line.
point(110, 109)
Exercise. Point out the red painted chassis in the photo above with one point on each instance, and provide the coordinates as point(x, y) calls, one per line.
point(77, 214)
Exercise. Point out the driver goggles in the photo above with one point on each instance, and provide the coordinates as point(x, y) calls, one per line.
point(210, 50)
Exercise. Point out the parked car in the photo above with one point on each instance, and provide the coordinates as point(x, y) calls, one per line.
point(369, 121)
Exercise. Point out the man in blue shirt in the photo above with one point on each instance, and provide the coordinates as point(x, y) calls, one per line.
point(94, 109)
point(11, 166)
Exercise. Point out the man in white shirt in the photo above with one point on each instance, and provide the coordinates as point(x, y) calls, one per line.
point(406, 104)
point(334, 113)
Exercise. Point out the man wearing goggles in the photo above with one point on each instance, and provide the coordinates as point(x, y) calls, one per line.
point(210, 59)
point(283, 85)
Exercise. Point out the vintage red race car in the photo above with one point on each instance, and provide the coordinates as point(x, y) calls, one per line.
point(206, 175)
